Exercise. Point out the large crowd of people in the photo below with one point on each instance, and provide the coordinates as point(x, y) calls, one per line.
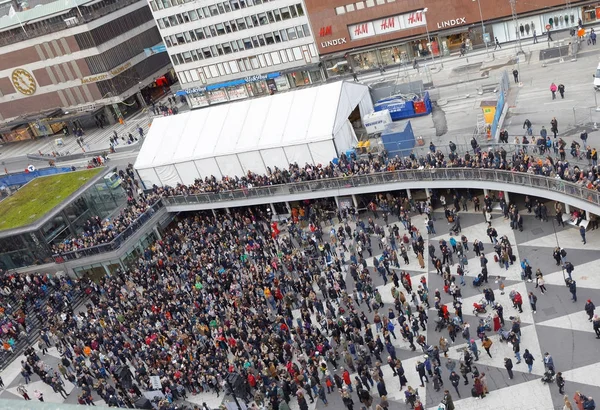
point(274, 312)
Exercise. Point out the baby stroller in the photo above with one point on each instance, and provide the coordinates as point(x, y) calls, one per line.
point(478, 281)
point(440, 324)
point(548, 376)
point(504, 335)
point(454, 229)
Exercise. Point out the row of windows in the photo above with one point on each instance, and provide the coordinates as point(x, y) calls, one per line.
point(132, 76)
point(214, 9)
point(204, 12)
point(359, 5)
point(255, 20)
point(241, 65)
point(113, 29)
point(126, 50)
point(248, 43)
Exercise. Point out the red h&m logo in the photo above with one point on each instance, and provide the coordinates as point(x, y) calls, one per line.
point(415, 17)
point(361, 29)
point(388, 23)
point(325, 31)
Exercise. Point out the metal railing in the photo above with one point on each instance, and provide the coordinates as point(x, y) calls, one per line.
point(413, 176)
point(113, 245)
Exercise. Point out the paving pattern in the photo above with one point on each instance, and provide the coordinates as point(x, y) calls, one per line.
point(559, 325)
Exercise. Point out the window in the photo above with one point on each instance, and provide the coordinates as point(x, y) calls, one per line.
point(160, 23)
point(226, 68)
point(168, 42)
point(293, 11)
point(262, 18)
point(213, 70)
point(180, 39)
point(300, 9)
point(285, 13)
point(182, 77)
point(214, 51)
point(269, 38)
point(283, 35)
point(186, 17)
point(220, 29)
point(193, 35)
point(261, 40)
point(268, 59)
point(297, 53)
point(227, 27)
point(188, 37)
point(290, 54)
point(207, 32)
point(241, 24)
point(350, 8)
point(206, 11)
point(188, 77)
point(221, 69)
point(283, 56)
point(249, 22)
point(275, 57)
point(369, 3)
point(291, 33)
point(254, 62)
point(306, 30)
point(270, 17)
point(187, 57)
point(213, 10)
point(200, 34)
point(234, 26)
point(227, 48)
point(227, 7)
point(247, 43)
point(234, 46)
point(277, 15)
point(360, 5)
point(380, 2)
point(342, 9)
point(235, 4)
point(247, 64)
point(262, 61)
point(172, 20)
point(219, 48)
point(240, 64)
point(207, 73)
point(194, 55)
point(193, 16)
point(234, 67)
point(206, 52)
point(300, 32)
point(277, 37)
point(179, 18)
point(254, 20)
point(195, 76)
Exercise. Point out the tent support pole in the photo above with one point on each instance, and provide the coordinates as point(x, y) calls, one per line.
point(286, 157)
point(197, 170)
point(220, 172)
point(157, 177)
point(311, 155)
point(240, 162)
point(179, 175)
point(263, 160)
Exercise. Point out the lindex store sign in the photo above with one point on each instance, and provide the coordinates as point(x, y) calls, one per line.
point(331, 43)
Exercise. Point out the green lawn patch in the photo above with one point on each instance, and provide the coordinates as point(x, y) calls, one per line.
point(40, 196)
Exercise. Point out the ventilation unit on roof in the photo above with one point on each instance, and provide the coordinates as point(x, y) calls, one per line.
point(71, 21)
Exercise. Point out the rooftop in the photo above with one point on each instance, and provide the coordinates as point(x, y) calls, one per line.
point(40, 196)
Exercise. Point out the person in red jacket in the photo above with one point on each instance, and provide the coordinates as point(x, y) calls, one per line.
point(346, 378)
point(518, 302)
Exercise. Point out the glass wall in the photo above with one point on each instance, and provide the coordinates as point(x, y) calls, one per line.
point(23, 250)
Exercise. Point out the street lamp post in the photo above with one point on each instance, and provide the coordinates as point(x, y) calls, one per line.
point(487, 51)
point(424, 11)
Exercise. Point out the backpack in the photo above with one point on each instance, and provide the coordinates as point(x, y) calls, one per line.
point(563, 253)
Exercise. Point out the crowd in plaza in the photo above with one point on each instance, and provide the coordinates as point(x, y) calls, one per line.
point(195, 308)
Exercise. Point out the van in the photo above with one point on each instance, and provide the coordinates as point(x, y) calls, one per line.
point(597, 79)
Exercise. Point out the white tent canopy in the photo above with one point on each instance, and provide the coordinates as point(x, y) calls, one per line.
point(306, 126)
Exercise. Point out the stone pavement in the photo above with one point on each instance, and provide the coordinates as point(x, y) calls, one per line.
point(559, 326)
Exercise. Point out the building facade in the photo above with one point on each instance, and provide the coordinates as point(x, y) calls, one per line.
point(74, 56)
point(368, 34)
point(234, 49)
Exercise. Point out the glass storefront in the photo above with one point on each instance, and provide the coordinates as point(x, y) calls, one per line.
point(590, 13)
point(34, 248)
point(217, 96)
point(365, 61)
point(398, 54)
point(237, 93)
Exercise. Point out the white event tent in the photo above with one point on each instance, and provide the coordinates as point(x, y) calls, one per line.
point(305, 126)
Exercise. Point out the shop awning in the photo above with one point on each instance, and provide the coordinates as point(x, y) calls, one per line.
point(453, 31)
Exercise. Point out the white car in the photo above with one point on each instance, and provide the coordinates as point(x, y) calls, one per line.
point(597, 79)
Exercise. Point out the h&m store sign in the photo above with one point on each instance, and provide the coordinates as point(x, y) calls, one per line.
point(387, 25)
